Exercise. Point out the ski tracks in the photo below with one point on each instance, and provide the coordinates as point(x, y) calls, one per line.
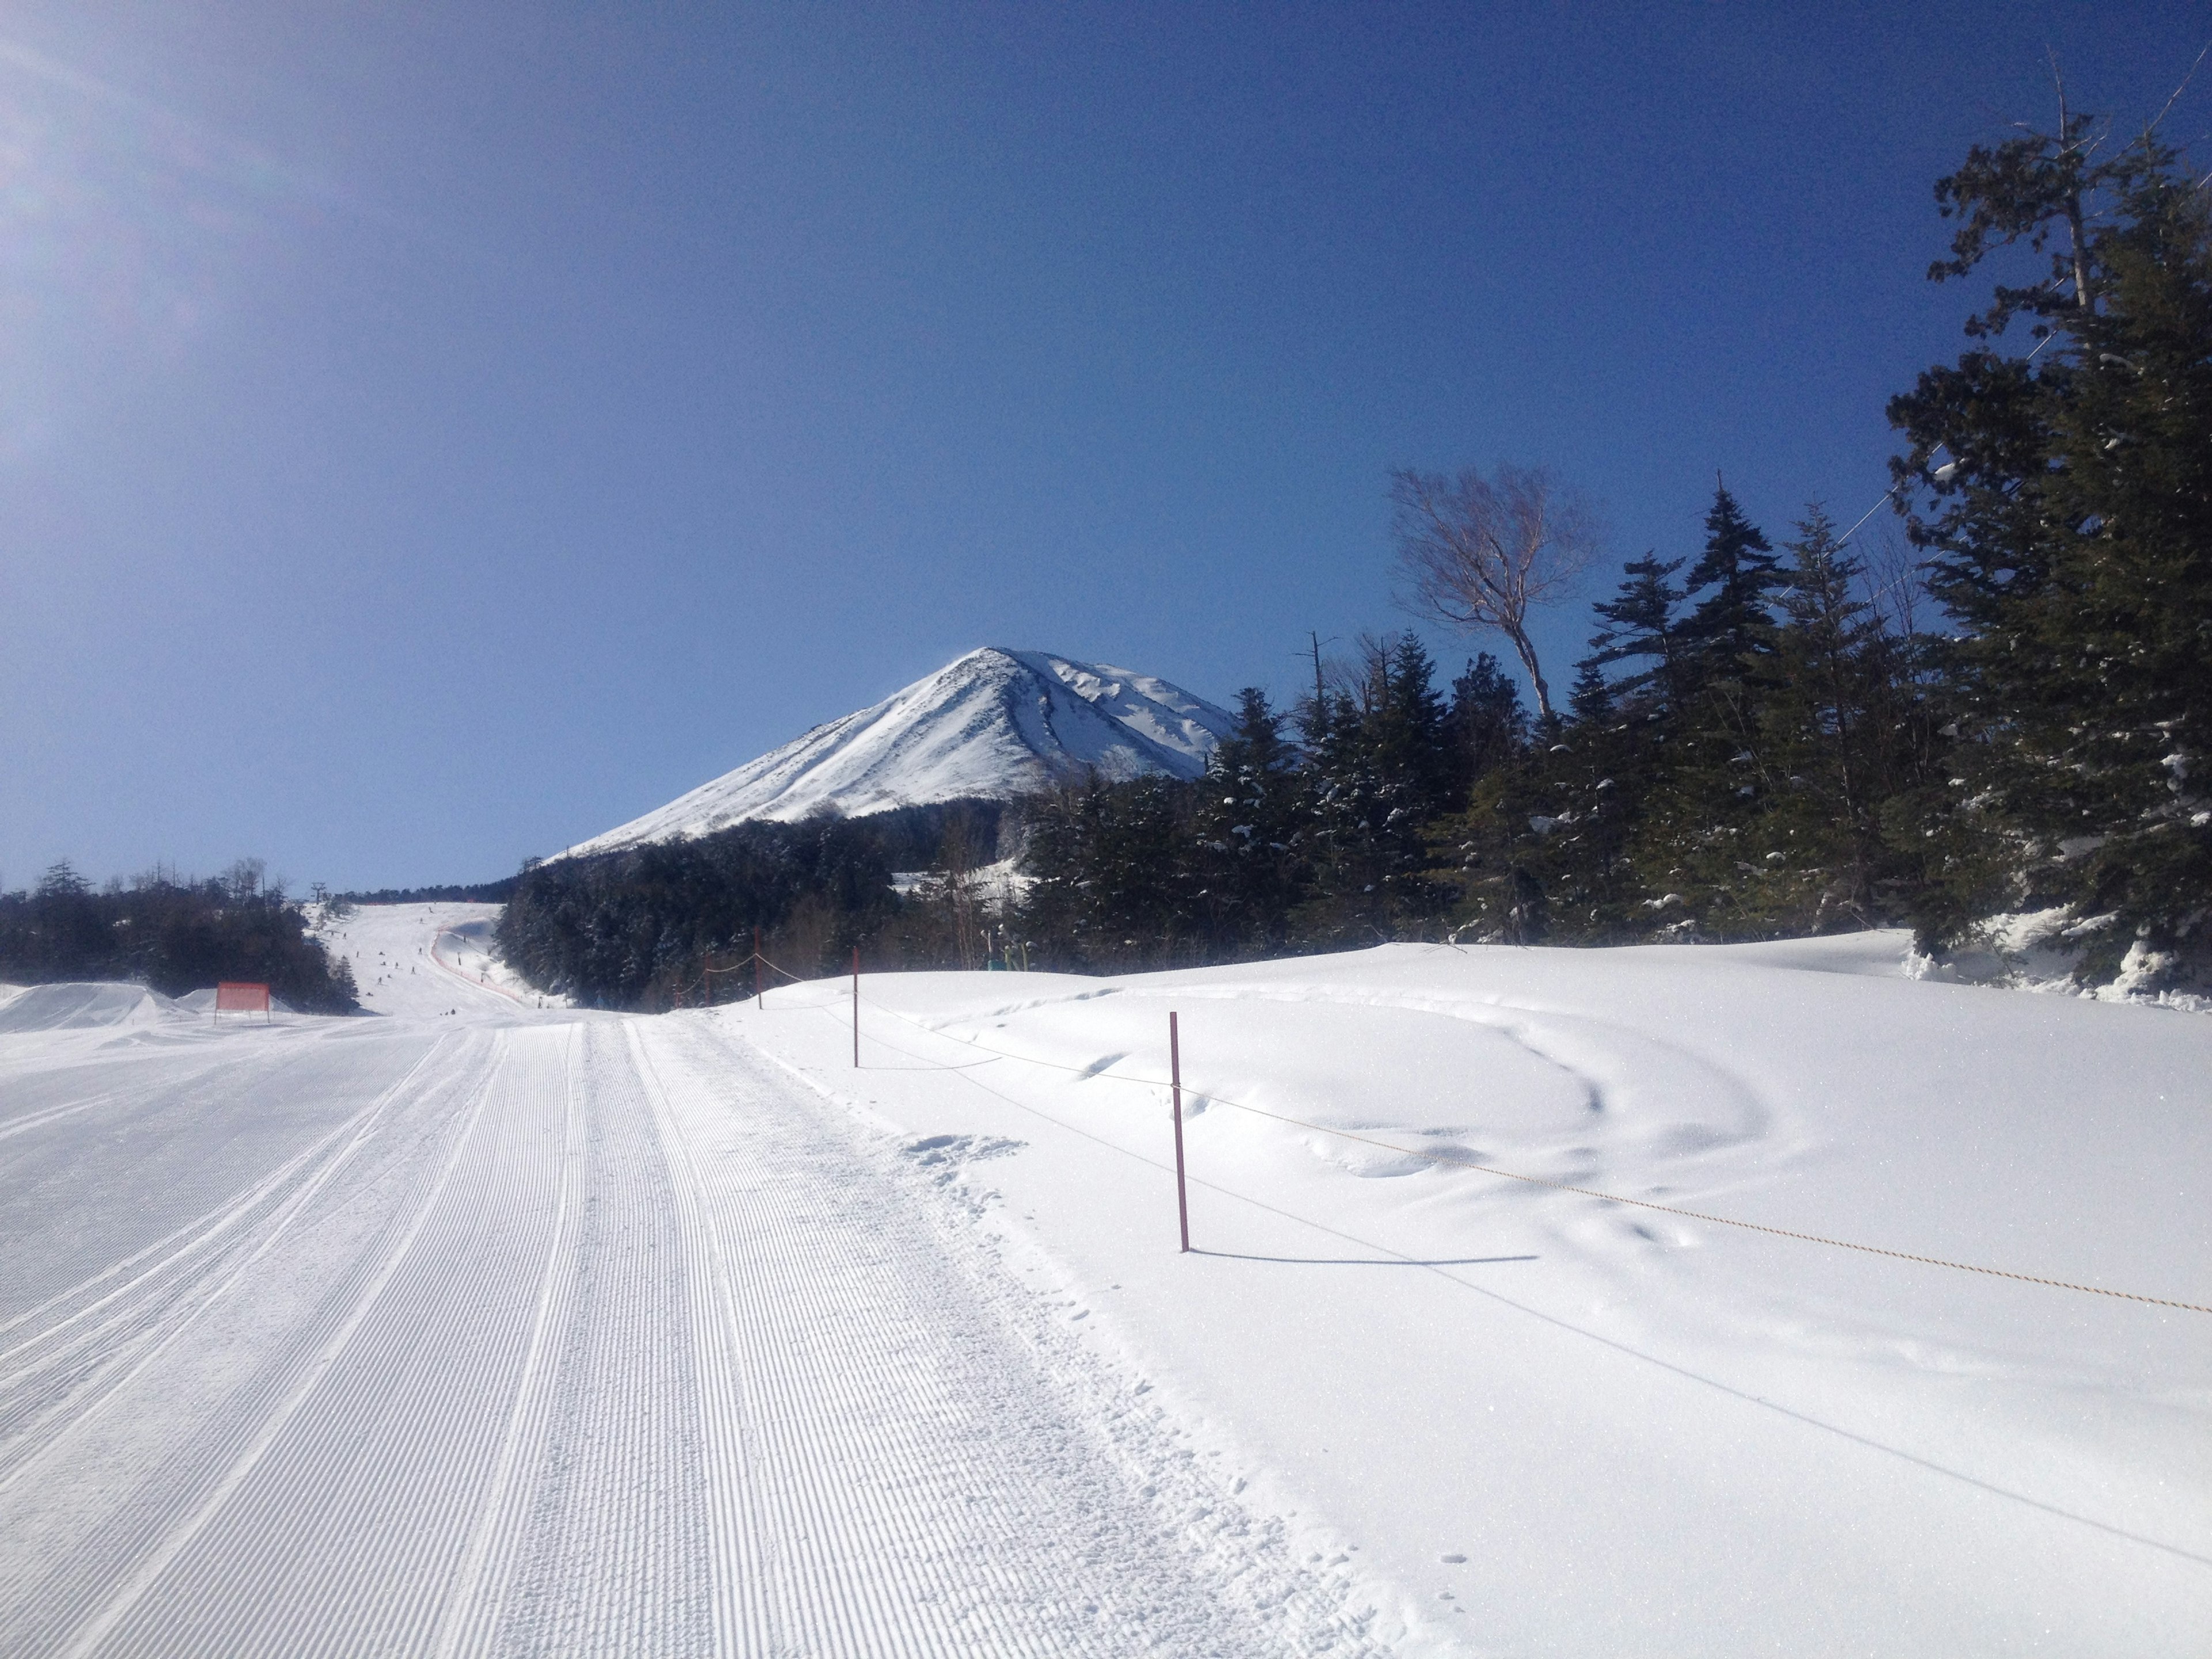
point(909, 1481)
point(376, 1508)
point(608, 1544)
point(213, 1369)
point(598, 1337)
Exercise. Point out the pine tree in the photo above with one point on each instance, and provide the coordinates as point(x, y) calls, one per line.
point(1543, 850)
point(2070, 527)
point(1591, 697)
point(1381, 766)
point(1739, 566)
point(1706, 790)
point(1249, 833)
point(1411, 734)
point(1639, 622)
point(1486, 723)
point(1835, 746)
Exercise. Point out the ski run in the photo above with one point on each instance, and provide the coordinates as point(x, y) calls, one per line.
point(484, 1326)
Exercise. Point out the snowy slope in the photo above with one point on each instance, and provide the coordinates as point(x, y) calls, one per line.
point(994, 725)
point(477, 1327)
point(1525, 1420)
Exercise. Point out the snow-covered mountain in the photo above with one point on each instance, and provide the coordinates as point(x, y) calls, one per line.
point(994, 725)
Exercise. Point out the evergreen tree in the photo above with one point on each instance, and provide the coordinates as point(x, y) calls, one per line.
point(1381, 767)
point(1835, 746)
point(1542, 851)
point(173, 936)
point(1738, 565)
point(1249, 833)
point(2071, 530)
point(1591, 697)
point(1410, 732)
point(1639, 622)
point(1346, 815)
point(1487, 724)
point(1705, 790)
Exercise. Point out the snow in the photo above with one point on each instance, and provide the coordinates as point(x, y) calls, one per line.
point(476, 1327)
point(428, 959)
point(509, 1329)
point(71, 1006)
point(2041, 950)
point(1642, 1433)
point(994, 725)
point(995, 886)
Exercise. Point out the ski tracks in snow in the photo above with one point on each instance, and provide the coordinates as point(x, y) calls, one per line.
point(907, 1479)
point(594, 1337)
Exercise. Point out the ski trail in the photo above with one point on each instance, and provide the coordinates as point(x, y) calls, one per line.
point(473, 1611)
point(358, 1496)
point(912, 1484)
point(150, 1569)
point(739, 1621)
point(130, 1461)
point(616, 1553)
point(17, 1125)
point(156, 1099)
point(129, 1341)
point(175, 1248)
point(600, 1336)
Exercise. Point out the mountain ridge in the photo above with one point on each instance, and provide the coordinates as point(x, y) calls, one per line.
point(994, 724)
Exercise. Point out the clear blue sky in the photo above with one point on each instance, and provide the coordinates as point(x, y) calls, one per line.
point(432, 434)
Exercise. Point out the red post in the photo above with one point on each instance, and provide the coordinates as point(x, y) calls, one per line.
point(1175, 1072)
point(856, 1007)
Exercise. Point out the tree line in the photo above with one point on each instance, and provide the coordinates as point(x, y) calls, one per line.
point(1764, 739)
point(671, 924)
point(173, 935)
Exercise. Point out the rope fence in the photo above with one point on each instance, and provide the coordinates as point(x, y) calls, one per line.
point(1447, 1160)
point(708, 972)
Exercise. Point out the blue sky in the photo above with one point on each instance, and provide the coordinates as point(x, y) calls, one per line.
point(431, 436)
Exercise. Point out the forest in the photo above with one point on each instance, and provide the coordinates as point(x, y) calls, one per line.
point(171, 934)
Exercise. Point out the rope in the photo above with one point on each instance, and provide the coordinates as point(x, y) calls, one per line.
point(796, 978)
point(1446, 1159)
point(706, 972)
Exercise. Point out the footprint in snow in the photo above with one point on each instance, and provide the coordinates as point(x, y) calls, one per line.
point(960, 1149)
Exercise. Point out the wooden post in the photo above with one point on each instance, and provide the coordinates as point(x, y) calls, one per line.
point(760, 997)
point(856, 1007)
point(1175, 1072)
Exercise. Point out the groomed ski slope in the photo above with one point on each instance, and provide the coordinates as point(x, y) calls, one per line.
point(518, 1330)
point(497, 1331)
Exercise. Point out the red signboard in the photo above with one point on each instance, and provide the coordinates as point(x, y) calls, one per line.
point(239, 995)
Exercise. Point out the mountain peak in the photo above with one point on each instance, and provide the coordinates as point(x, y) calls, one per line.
point(993, 724)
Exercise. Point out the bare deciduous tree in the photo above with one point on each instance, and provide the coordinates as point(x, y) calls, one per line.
point(1480, 552)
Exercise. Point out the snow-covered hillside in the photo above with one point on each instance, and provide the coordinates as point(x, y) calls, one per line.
point(476, 1327)
point(994, 725)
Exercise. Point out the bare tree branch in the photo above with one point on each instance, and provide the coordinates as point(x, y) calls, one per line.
point(1479, 553)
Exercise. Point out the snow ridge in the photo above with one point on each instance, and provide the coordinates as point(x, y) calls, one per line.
point(995, 724)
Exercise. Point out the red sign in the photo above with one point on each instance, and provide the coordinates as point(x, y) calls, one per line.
point(237, 993)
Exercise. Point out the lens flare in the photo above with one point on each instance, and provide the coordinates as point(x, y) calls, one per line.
point(125, 226)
